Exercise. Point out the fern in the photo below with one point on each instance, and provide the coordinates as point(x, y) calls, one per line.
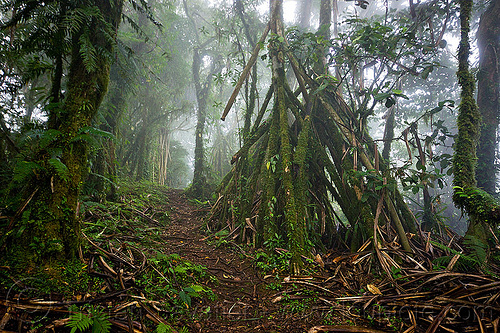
point(91, 135)
point(25, 169)
point(89, 139)
point(78, 17)
point(60, 168)
point(96, 132)
point(88, 53)
point(100, 324)
point(48, 137)
point(476, 258)
point(478, 250)
point(163, 328)
point(98, 321)
point(79, 321)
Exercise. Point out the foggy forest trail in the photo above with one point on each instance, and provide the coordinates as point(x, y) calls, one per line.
point(243, 302)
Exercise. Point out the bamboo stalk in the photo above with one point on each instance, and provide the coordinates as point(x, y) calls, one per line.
point(245, 73)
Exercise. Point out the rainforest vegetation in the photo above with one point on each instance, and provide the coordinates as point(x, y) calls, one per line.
point(249, 165)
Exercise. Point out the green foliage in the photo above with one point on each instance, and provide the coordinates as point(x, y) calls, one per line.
point(70, 277)
point(165, 328)
point(477, 249)
point(176, 281)
point(477, 202)
point(91, 135)
point(96, 320)
point(273, 263)
point(24, 169)
point(475, 258)
point(60, 168)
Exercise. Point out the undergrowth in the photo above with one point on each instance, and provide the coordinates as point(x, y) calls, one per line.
point(134, 224)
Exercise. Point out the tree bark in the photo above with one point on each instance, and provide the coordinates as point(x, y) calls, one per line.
point(488, 38)
point(480, 206)
point(202, 90)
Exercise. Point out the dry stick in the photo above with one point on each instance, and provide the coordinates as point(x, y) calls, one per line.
point(480, 322)
point(245, 73)
point(263, 108)
point(296, 71)
point(21, 209)
point(439, 318)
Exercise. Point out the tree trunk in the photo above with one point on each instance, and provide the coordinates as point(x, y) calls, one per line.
point(202, 90)
point(488, 38)
point(250, 102)
point(54, 226)
point(480, 206)
point(305, 14)
point(106, 160)
point(325, 18)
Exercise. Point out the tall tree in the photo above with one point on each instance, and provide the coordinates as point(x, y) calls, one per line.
point(203, 87)
point(488, 99)
point(61, 162)
point(480, 206)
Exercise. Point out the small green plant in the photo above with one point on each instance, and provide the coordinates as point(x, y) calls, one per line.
point(274, 286)
point(273, 263)
point(297, 306)
point(165, 328)
point(176, 281)
point(95, 320)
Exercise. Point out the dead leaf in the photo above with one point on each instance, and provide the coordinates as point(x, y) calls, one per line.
point(319, 261)
point(373, 289)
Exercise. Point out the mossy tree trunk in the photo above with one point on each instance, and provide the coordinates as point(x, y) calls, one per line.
point(488, 38)
point(480, 206)
point(53, 229)
point(390, 122)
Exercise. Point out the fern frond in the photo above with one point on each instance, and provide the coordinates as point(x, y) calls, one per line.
point(143, 7)
point(25, 169)
point(89, 139)
point(138, 30)
point(48, 137)
point(163, 328)
point(478, 250)
point(88, 53)
point(79, 321)
point(96, 132)
point(76, 18)
point(60, 168)
point(101, 323)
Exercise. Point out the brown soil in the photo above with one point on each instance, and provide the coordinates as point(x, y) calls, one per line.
point(243, 302)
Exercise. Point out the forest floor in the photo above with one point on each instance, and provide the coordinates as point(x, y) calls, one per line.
point(148, 265)
point(244, 300)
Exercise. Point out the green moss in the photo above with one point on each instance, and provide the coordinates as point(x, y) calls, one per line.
point(301, 154)
point(271, 176)
point(482, 208)
point(67, 278)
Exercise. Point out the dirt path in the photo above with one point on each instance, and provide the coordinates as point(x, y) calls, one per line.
point(243, 302)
